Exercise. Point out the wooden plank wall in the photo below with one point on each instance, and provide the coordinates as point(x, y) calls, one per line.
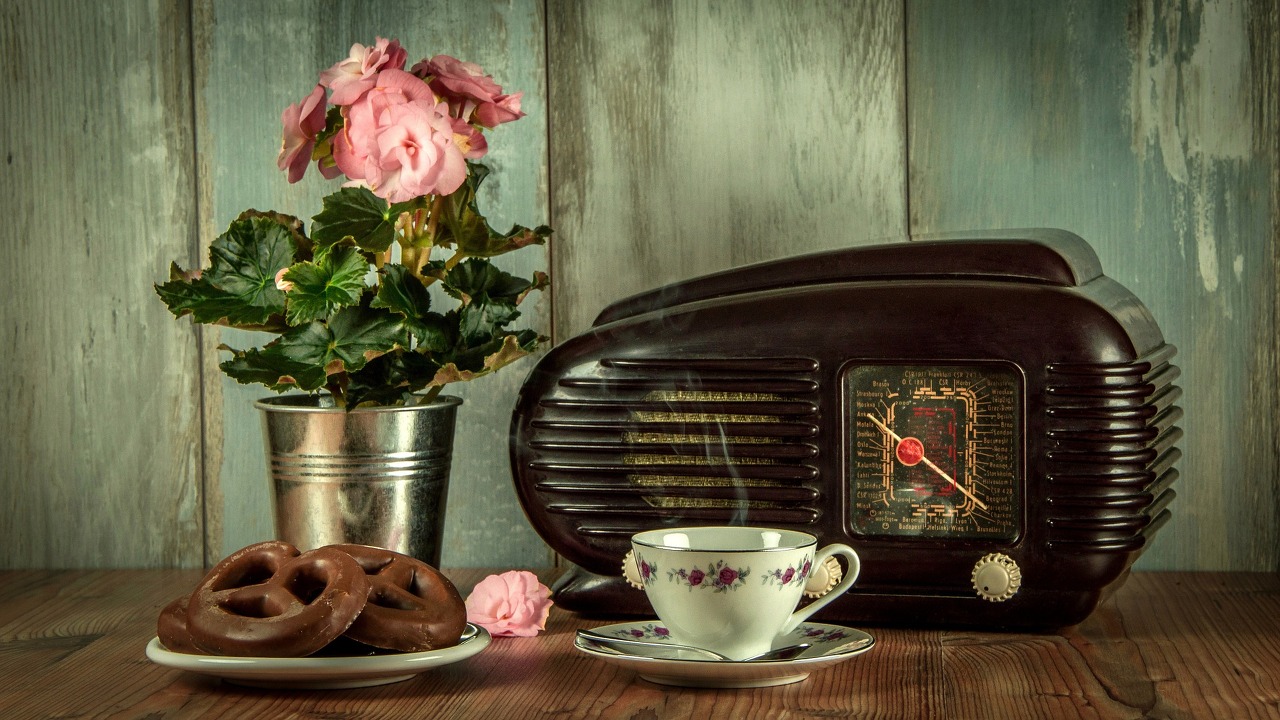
point(100, 443)
point(1149, 128)
point(664, 140)
point(691, 137)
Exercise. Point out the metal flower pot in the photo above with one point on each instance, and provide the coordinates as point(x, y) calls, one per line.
point(375, 476)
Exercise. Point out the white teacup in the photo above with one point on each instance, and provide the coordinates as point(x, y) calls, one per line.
point(733, 590)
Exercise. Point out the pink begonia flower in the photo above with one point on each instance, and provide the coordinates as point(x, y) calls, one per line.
point(352, 77)
point(399, 141)
point(469, 139)
point(302, 121)
point(471, 94)
point(281, 284)
point(511, 604)
point(503, 109)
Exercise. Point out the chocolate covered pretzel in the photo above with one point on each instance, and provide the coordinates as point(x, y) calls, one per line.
point(411, 606)
point(269, 600)
point(171, 627)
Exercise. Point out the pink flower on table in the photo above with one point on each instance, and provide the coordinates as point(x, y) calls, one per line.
point(472, 95)
point(352, 77)
point(511, 604)
point(302, 121)
point(400, 141)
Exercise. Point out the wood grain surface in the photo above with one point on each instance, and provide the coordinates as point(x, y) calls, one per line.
point(664, 140)
point(1166, 645)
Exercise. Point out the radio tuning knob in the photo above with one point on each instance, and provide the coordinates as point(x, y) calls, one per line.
point(824, 577)
point(630, 572)
point(996, 577)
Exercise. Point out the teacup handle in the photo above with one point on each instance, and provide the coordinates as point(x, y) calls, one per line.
point(846, 582)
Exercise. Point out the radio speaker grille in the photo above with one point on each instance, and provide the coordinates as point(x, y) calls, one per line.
point(1110, 465)
point(627, 444)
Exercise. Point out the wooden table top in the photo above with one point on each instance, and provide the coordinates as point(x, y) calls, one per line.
point(1167, 645)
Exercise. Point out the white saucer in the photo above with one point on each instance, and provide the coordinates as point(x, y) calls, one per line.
point(310, 673)
point(830, 644)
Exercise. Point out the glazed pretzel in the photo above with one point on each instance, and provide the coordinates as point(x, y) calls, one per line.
point(267, 600)
point(411, 606)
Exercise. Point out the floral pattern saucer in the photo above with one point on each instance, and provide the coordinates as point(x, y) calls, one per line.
point(830, 644)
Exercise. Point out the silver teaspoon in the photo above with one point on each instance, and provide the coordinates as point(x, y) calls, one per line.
point(631, 644)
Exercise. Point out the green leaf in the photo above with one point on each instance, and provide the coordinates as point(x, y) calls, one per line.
point(476, 278)
point(238, 288)
point(204, 302)
point(489, 358)
point(301, 243)
point(489, 298)
point(272, 368)
point(357, 213)
point(402, 293)
point(482, 320)
point(466, 227)
point(357, 335)
point(333, 122)
point(391, 379)
point(320, 288)
point(305, 356)
point(478, 356)
point(437, 333)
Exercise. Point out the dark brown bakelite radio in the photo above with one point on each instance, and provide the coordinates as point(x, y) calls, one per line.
point(988, 420)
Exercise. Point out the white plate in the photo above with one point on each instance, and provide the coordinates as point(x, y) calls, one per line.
point(321, 672)
point(831, 644)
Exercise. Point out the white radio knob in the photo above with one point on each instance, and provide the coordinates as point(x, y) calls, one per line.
point(996, 577)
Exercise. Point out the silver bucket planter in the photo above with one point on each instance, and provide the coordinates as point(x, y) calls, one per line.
point(375, 476)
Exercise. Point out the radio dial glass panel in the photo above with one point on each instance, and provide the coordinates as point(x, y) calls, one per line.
point(934, 451)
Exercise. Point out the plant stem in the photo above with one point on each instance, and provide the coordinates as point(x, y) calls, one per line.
point(430, 394)
point(337, 385)
point(412, 258)
point(437, 206)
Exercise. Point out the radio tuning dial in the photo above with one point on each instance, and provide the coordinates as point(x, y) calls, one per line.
point(996, 577)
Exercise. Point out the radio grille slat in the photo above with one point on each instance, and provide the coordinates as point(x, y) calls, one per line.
point(763, 385)
point(724, 430)
point(694, 405)
point(711, 366)
point(738, 450)
point(746, 472)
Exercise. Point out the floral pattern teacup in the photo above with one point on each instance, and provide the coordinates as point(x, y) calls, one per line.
point(733, 589)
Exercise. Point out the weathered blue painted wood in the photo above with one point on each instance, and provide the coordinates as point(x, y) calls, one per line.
point(1150, 129)
point(693, 137)
point(100, 439)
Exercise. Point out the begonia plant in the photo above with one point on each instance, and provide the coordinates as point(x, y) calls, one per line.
point(351, 301)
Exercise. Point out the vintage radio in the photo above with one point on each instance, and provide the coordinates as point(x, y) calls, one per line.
point(989, 420)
